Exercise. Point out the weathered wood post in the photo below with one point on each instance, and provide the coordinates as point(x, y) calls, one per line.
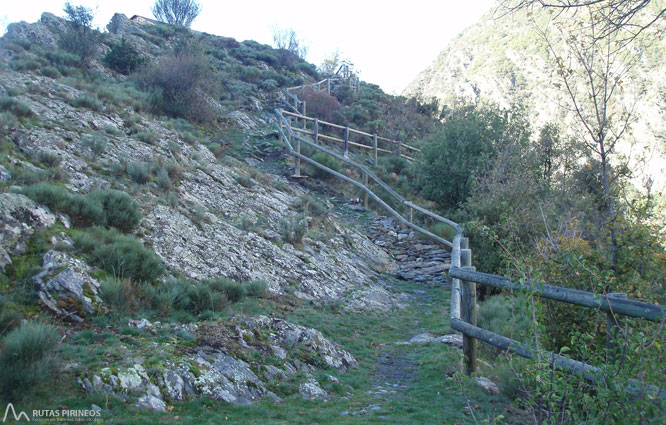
point(374, 149)
point(614, 325)
point(468, 310)
point(346, 141)
point(365, 194)
point(316, 131)
point(305, 113)
point(297, 160)
point(411, 215)
point(328, 86)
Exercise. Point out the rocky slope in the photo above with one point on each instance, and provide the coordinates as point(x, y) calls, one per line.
point(194, 217)
point(504, 60)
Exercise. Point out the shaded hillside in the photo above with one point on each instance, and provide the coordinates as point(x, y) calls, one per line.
point(504, 60)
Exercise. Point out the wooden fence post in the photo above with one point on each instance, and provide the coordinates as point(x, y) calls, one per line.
point(365, 194)
point(316, 131)
point(614, 325)
point(305, 121)
point(346, 141)
point(468, 311)
point(328, 86)
point(297, 160)
point(411, 215)
point(374, 149)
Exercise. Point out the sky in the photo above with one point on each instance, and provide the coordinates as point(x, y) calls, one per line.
point(389, 42)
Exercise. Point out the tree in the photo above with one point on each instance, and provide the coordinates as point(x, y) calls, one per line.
point(593, 65)
point(177, 12)
point(79, 38)
point(630, 16)
point(288, 45)
point(331, 63)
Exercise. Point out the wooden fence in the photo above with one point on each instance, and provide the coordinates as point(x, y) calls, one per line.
point(464, 276)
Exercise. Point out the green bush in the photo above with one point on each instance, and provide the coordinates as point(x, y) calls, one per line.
point(95, 143)
point(327, 161)
point(89, 101)
point(101, 207)
point(9, 319)
point(27, 358)
point(506, 316)
point(79, 38)
point(147, 137)
point(463, 150)
point(139, 172)
point(311, 206)
point(120, 255)
point(7, 122)
point(234, 291)
point(244, 181)
point(120, 210)
point(123, 57)
point(16, 107)
point(114, 292)
point(163, 180)
point(50, 159)
point(293, 229)
point(256, 288)
point(50, 71)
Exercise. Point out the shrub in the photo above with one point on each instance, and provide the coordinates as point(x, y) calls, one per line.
point(27, 357)
point(53, 196)
point(292, 229)
point(50, 159)
point(95, 143)
point(321, 104)
point(310, 205)
point(115, 292)
point(462, 151)
point(176, 80)
point(505, 316)
point(203, 297)
point(9, 319)
point(256, 288)
point(327, 161)
point(89, 101)
point(120, 255)
point(120, 210)
point(234, 291)
point(163, 180)
point(85, 211)
point(139, 172)
point(50, 71)
point(147, 137)
point(79, 38)
point(123, 57)
point(16, 107)
point(244, 181)
point(7, 122)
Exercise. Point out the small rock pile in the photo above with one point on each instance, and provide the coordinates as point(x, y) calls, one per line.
point(418, 259)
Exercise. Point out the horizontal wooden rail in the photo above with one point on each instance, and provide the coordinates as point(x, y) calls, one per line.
point(590, 373)
point(625, 307)
point(360, 185)
point(351, 130)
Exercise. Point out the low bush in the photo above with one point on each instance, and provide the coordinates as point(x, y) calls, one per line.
point(139, 172)
point(327, 161)
point(102, 207)
point(506, 316)
point(16, 107)
point(9, 319)
point(95, 143)
point(50, 159)
point(292, 229)
point(89, 101)
point(256, 288)
point(147, 137)
point(233, 290)
point(121, 211)
point(27, 358)
point(120, 255)
point(123, 57)
point(116, 292)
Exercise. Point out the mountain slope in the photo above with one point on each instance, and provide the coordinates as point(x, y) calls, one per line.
point(504, 60)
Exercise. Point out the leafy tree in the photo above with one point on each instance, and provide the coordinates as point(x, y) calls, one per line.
point(177, 12)
point(80, 38)
point(123, 57)
point(463, 150)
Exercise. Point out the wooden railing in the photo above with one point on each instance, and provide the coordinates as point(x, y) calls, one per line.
point(349, 137)
point(464, 276)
